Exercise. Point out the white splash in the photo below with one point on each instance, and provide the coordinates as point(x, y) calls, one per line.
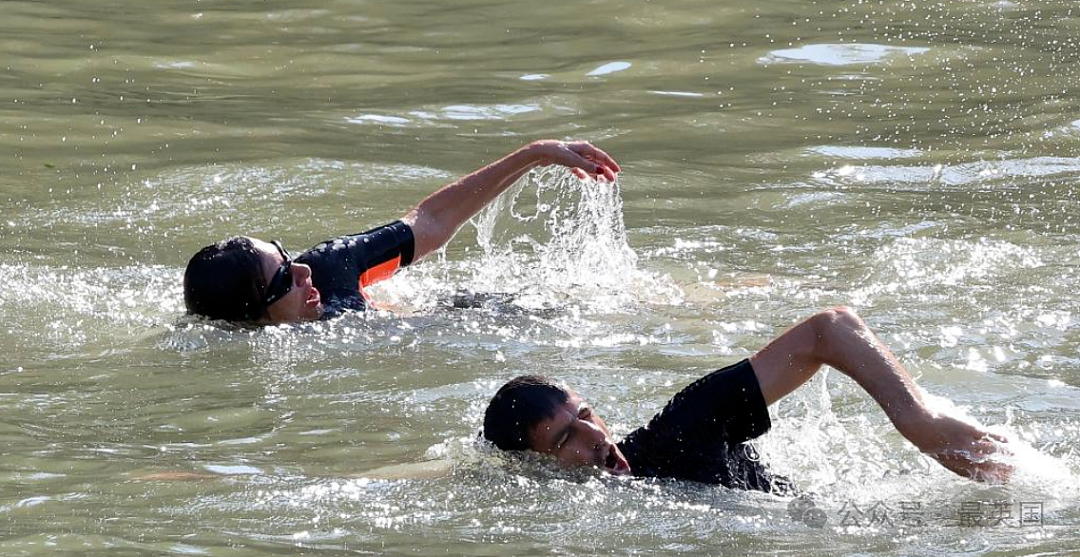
point(554, 238)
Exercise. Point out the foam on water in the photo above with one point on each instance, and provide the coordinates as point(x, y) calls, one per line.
point(1004, 172)
point(845, 453)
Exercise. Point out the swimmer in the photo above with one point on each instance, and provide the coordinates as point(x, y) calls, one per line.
point(701, 434)
point(246, 280)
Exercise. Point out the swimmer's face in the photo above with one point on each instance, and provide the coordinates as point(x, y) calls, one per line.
point(576, 436)
point(302, 302)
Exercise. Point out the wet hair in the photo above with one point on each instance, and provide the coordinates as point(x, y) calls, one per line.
point(225, 281)
point(518, 407)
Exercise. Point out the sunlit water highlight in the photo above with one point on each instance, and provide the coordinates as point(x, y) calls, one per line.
point(914, 160)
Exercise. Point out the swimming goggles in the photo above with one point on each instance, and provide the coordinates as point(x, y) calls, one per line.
point(282, 281)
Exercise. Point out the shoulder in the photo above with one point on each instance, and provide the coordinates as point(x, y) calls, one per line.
point(389, 241)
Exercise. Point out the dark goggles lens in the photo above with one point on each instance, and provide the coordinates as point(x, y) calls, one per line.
point(282, 282)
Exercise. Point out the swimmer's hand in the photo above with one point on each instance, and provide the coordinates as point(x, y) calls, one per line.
point(581, 157)
point(965, 449)
point(439, 216)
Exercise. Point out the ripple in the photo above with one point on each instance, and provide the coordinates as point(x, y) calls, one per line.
point(378, 119)
point(233, 469)
point(840, 54)
point(686, 94)
point(958, 175)
point(477, 112)
point(609, 68)
point(862, 153)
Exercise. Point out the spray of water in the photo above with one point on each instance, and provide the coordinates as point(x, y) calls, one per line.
point(551, 242)
point(555, 238)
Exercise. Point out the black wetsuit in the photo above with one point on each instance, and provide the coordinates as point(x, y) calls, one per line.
point(701, 434)
point(342, 267)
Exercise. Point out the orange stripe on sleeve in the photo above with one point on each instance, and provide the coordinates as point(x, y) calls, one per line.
point(382, 271)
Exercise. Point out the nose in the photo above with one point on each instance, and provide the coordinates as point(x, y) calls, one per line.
point(301, 272)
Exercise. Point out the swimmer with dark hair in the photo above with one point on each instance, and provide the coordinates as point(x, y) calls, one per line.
point(250, 281)
point(702, 433)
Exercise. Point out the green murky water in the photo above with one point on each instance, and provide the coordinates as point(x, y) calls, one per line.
point(916, 161)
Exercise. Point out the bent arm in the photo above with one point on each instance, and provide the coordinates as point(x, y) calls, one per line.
point(439, 216)
point(840, 339)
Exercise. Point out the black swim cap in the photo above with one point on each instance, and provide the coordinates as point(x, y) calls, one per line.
point(225, 281)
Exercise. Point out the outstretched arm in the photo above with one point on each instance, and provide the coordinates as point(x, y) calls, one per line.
point(840, 339)
point(437, 218)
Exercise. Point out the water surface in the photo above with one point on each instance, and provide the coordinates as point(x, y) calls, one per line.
point(916, 161)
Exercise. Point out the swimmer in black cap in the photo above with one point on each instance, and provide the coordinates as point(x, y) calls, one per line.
point(701, 434)
point(246, 280)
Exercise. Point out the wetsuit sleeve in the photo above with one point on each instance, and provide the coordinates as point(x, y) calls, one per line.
point(341, 267)
point(385, 250)
point(724, 406)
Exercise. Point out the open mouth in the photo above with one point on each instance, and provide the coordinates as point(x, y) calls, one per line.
point(615, 463)
point(313, 296)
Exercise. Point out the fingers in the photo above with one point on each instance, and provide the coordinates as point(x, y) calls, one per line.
point(968, 450)
point(594, 162)
point(998, 473)
point(985, 449)
point(581, 157)
point(592, 153)
point(995, 472)
point(982, 462)
point(593, 170)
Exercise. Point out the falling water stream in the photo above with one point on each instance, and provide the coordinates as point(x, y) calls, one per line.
point(915, 161)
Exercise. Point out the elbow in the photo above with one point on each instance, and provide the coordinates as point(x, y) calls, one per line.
point(832, 318)
point(834, 329)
